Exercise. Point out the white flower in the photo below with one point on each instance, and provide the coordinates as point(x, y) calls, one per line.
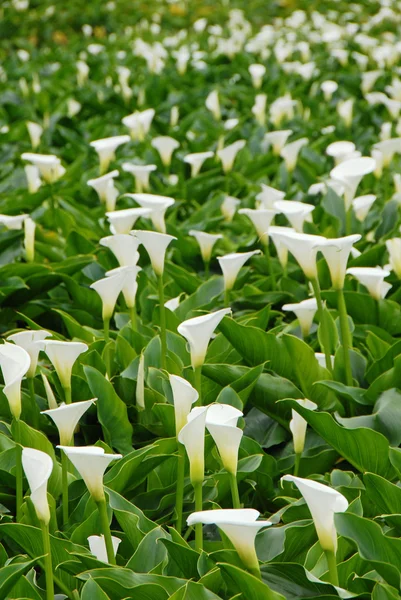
point(340, 150)
point(221, 422)
point(196, 161)
point(73, 107)
point(213, 104)
point(345, 110)
point(336, 252)
point(206, 242)
point(155, 245)
point(106, 149)
point(261, 219)
point(369, 78)
point(63, 356)
point(328, 88)
point(304, 249)
point(277, 139)
point(29, 239)
point(109, 288)
point(122, 221)
point(51, 400)
point(174, 116)
point(388, 148)
point(290, 153)
point(140, 383)
point(350, 173)
point(394, 249)
point(276, 234)
point(173, 303)
point(257, 73)
point(231, 265)
point(124, 247)
point(282, 108)
point(296, 212)
point(373, 279)
point(139, 123)
point(323, 502)
point(198, 331)
point(192, 436)
point(228, 207)
point(361, 206)
point(49, 165)
point(66, 417)
point(298, 425)
point(13, 222)
point(268, 196)
point(228, 154)
point(305, 312)
point(165, 146)
point(184, 396)
point(104, 186)
point(321, 359)
point(38, 467)
point(259, 109)
point(33, 178)
point(91, 463)
point(158, 206)
point(35, 133)
point(97, 546)
point(141, 173)
point(14, 364)
point(130, 285)
point(33, 343)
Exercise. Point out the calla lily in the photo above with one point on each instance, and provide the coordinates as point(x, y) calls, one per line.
point(63, 356)
point(240, 526)
point(173, 303)
point(33, 343)
point(379, 162)
point(228, 154)
point(388, 148)
point(228, 207)
point(124, 247)
point(304, 248)
point(198, 331)
point(130, 285)
point(157, 205)
point(350, 173)
point(206, 242)
point(29, 239)
point(277, 139)
point(192, 436)
point(369, 79)
point(82, 72)
point(323, 502)
point(336, 252)
point(12, 222)
point(66, 417)
point(196, 161)
point(35, 133)
point(184, 396)
point(104, 186)
point(261, 219)
point(155, 245)
point(213, 104)
point(139, 123)
point(33, 178)
point(298, 425)
point(109, 288)
point(51, 400)
point(122, 221)
point(361, 206)
point(290, 153)
point(345, 110)
point(328, 88)
point(257, 73)
point(38, 467)
point(49, 166)
point(296, 212)
point(91, 462)
point(221, 422)
point(165, 146)
point(373, 279)
point(106, 149)
point(14, 363)
point(305, 312)
point(268, 196)
point(282, 108)
point(340, 150)
point(174, 116)
point(394, 249)
point(140, 384)
point(73, 107)
point(321, 359)
point(276, 233)
point(231, 265)
point(141, 173)
point(259, 109)
point(97, 546)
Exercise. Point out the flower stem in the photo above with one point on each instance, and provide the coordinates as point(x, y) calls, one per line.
point(297, 463)
point(179, 497)
point(104, 521)
point(269, 265)
point(67, 395)
point(163, 333)
point(198, 507)
point(345, 335)
point(31, 387)
point(207, 269)
point(332, 565)
point(64, 482)
point(132, 315)
point(234, 490)
point(325, 336)
point(348, 221)
point(47, 561)
point(19, 494)
point(226, 298)
point(106, 331)
point(52, 206)
point(198, 383)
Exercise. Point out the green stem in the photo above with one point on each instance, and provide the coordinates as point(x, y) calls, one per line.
point(179, 497)
point(64, 482)
point(207, 269)
point(348, 221)
point(226, 298)
point(346, 336)
point(163, 332)
point(297, 463)
point(47, 561)
point(198, 507)
point(198, 383)
point(132, 315)
point(52, 207)
point(106, 331)
point(325, 337)
point(269, 265)
point(67, 395)
point(104, 522)
point(19, 494)
point(234, 490)
point(332, 565)
point(34, 406)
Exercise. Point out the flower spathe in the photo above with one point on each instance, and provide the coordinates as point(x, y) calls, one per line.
point(198, 331)
point(91, 462)
point(298, 425)
point(33, 343)
point(184, 396)
point(221, 422)
point(291, 151)
point(257, 72)
point(373, 279)
point(350, 173)
point(192, 436)
point(38, 467)
point(63, 356)
point(304, 248)
point(14, 364)
point(261, 219)
point(196, 161)
point(104, 185)
point(124, 247)
point(277, 234)
point(13, 222)
point(336, 252)
point(29, 239)
point(165, 146)
point(305, 312)
point(109, 288)
point(323, 502)
point(66, 417)
point(155, 245)
point(361, 206)
point(296, 212)
point(139, 123)
point(268, 196)
point(106, 149)
point(228, 154)
point(277, 139)
point(141, 173)
point(97, 546)
point(231, 265)
point(122, 221)
point(228, 207)
point(33, 179)
point(394, 249)
point(157, 206)
point(35, 133)
point(49, 165)
point(206, 242)
point(213, 104)
point(130, 285)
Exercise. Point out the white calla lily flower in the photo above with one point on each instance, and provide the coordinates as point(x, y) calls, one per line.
point(141, 174)
point(106, 149)
point(276, 233)
point(298, 425)
point(323, 503)
point(51, 399)
point(124, 247)
point(33, 179)
point(196, 161)
point(296, 212)
point(29, 239)
point(394, 249)
point(122, 221)
point(104, 186)
point(305, 312)
point(206, 242)
point(228, 207)
point(66, 418)
point(184, 396)
point(261, 219)
point(268, 196)
point(277, 139)
point(328, 88)
point(139, 123)
point(192, 436)
point(304, 249)
point(130, 285)
point(35, 133)
point(33, 343)
point(340, 150)
point(38, 467)
point(109, 288)
point(257, 72)
point(49, 165)
point(140, 383)
point(231, 265)
point(97, 546)
point(259, 109)
point(388, 148)
point(13, 222)
point(213, 104)
point(155, 245)
point(221, 422)
point(291, 151)
point(373, 279)
point(362, 205)
point(345, 109)
point(165, 146)
point(157, 205)
point(63, 356)
point(198, 331)
point(14, 363)
point(228, 154)
point(350, 173)
point(336, 252)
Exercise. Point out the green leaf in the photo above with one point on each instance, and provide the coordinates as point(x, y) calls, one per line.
point(10, 574)
point(250, 587)
point(92, 591)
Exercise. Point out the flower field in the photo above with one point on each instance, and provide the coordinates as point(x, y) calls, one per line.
point(200, 265)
